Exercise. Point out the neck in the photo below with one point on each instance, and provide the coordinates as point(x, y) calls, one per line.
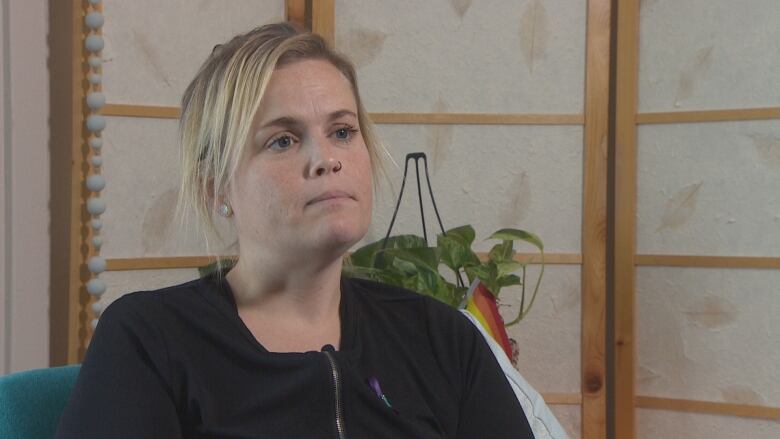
point(287, 289)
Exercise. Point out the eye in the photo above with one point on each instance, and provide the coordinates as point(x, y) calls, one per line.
point(281, 142)
point(345, 133)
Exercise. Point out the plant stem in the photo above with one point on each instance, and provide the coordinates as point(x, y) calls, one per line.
point(522, 295)
point(522, 312)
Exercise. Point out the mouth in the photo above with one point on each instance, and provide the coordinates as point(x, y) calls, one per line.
point(330, 196)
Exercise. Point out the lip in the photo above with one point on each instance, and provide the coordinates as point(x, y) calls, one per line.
point(330, 195)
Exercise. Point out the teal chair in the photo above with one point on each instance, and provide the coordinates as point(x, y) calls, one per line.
point(31, 402)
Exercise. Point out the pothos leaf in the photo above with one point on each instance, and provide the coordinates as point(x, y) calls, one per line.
point(509, 280)
point(366, 256)
point(508, 267)
point(463, 234)
point(502, 252)
point(455, 254)
point(518, 235)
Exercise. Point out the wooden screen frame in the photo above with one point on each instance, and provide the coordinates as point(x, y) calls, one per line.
point(624, 245)
point(69, 310)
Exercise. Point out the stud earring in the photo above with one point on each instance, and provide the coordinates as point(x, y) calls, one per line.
point(225, 210)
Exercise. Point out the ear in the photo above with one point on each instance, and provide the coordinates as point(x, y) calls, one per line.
point(219, 202)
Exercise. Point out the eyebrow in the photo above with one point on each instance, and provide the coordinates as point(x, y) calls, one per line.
point(287, 121)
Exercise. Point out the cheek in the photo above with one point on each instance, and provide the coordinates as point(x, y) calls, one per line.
point(365, 175)
point(367, 183)
point(264, 191)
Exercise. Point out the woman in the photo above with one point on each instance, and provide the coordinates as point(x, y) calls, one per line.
point(275, 138)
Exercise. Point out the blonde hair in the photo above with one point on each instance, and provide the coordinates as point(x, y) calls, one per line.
point(219, 104)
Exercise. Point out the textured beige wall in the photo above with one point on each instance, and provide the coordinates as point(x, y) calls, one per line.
point(708, 189)
point(25, 219)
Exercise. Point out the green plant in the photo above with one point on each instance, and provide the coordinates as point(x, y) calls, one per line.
point(407, 261)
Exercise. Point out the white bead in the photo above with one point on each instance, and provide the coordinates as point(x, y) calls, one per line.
point(94, 20)
point(96, 205)
point(96, 224)
point(96, 122)
point(97, 242)
point(96, 161)
point(96, 100)
point(94, 43)
point(94, 79)
point(95, 62)
point(96, 287)
point(97, 308)
point(96, 264)
point(96, 182)
point(94, 324)
point(96, 142)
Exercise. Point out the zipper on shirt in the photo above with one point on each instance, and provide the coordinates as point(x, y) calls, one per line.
point(334, 368)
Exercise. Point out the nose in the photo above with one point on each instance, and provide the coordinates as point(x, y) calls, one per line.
point(325, 166)
point(322, 161)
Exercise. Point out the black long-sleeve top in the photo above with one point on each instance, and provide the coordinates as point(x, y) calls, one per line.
point(180, 363)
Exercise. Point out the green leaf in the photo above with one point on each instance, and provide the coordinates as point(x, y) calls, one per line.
point(215, 266)
point(506, 281)
point(455, 254)
point(508, 267)
point(366, 256)
point(405, 267)
point(463, 234)
point(502, 252)
point(459, 298)
point(432, 284)
point(518, 235)
point(410, 283)
point(424, 258)
point(485, 272)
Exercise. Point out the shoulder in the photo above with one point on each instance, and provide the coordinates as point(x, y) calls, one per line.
point(153, 306)
point(432, 315)
point(394, 296)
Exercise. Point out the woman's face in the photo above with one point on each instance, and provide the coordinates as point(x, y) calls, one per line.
point(304, 184)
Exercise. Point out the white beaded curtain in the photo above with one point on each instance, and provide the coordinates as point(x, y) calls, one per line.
point(96, 123)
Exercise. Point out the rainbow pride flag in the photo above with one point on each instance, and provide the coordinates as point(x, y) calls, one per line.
point(482, 305)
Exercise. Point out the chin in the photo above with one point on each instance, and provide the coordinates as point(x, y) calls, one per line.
point(342, 235)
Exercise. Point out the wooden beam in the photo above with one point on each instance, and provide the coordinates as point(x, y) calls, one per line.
point(708, 261)
point(624, 245)
point(65, 20)
point(709, 115)
point(295, 12)
point(594, 222)
point(150, 111)
point(163, 112)
point(323, 19)
point(157, 263)
point(172, 262)
point(562, 398)
point(714, 408)
point(549, 258)
point(477, 118)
